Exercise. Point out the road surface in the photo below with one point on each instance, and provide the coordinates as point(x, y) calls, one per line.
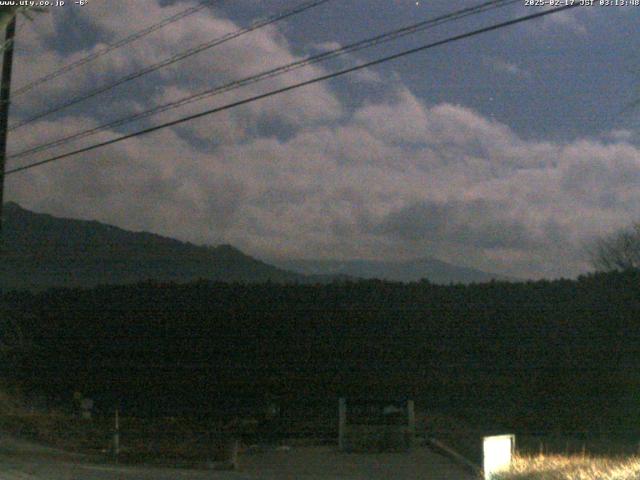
point(21, 460)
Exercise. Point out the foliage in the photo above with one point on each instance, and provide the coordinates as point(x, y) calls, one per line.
point(535, 356)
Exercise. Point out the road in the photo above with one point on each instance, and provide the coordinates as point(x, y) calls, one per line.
point(24, 461)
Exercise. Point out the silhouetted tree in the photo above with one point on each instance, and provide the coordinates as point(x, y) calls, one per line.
point(618, 251)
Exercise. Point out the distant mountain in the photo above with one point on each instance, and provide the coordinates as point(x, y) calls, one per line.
point(41, 251)
point(435, 271)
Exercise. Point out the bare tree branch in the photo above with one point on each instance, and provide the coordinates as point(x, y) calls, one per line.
point(618, 251)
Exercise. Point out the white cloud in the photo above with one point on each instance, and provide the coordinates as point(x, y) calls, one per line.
point(568, 20)
point(573, 21)
point(395, 178)
point(622, 135)
point(502, 66)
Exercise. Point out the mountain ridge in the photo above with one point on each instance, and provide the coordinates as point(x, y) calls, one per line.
point(42, 251)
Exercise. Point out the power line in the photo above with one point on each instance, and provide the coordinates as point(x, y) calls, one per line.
point(124, 41)
point(175, 58)
point(296, 86)
point(374, 41)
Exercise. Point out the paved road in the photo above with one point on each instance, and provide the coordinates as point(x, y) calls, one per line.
point(24, 461)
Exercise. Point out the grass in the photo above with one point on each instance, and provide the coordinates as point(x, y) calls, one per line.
point(180, 441)
point(594, 444)
point(545, 457)
point(166, 440)
point(572, 467)
point(57, 430)
point(170, 441)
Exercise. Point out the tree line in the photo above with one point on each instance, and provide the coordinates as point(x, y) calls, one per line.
point(537, 355)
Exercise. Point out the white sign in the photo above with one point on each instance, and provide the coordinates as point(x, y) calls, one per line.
point(497, 451)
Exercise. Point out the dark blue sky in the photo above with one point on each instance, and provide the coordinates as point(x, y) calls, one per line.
point(575, 76)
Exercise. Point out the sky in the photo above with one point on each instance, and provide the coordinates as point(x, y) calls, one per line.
point(509, 152)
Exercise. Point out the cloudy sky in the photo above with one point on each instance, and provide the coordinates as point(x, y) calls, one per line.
point(507, 152)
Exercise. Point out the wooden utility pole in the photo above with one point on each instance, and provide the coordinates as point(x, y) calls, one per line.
point(5, 89)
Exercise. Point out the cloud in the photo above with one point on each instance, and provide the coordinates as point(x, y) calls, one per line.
point(473, 222)
point(622, 135)
point(366, 75)
point(502, 66)
point(250, 54)
point(568, 20)
point(302, 175)
point(573, 21)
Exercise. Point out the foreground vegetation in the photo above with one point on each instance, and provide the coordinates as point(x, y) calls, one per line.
point(178, 441)
point(533, 357)
point(558, 467)
point(168, 441)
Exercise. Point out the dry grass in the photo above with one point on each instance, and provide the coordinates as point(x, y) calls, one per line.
point(574, 467)
point(164, 440)
point(57, 430)
point(167, 441)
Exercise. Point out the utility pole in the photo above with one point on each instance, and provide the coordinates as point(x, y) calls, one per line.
point(5, 89)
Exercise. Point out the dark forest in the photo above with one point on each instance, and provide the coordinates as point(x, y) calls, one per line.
point(536, 356)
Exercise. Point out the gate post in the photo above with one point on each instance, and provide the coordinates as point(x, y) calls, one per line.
point(342, 422)
point(411, 413)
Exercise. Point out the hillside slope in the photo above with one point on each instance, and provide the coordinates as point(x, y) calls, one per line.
point(41, 251)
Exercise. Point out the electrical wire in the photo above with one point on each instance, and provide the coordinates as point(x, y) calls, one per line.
point(370, 42)
point(120, 43)
point(296, 86)
point(173, 59)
